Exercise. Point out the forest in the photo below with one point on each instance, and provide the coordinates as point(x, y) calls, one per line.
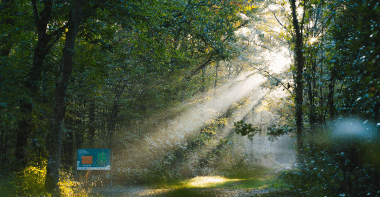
point(264, 97)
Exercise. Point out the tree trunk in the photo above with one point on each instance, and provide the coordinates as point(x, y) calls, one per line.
point(299, 63)
point(41, 49)
point(216, 77)
point(91, 129)
point(112, 120)
point(330, 96)
point(312, 119)
point(68, 144)
point(56, 129)
point(8, 7)
point(203, 88)
point(376, 110)
point(79, 133)
point(2, 151)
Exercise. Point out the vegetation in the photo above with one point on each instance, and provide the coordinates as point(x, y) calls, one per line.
point(336, 96)
point(114, 74)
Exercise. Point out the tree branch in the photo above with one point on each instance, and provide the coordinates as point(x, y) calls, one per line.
point(286, 87)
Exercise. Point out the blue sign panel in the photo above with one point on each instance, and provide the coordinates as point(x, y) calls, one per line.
point(94, 159)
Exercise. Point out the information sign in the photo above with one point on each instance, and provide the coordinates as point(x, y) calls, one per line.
point(94, 159)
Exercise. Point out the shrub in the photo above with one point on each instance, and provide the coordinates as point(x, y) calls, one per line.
point(68, 187)
point(334, 170)
point(30, 182)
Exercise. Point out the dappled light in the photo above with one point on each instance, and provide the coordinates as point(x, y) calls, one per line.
point(313, 40)
point(209, 181)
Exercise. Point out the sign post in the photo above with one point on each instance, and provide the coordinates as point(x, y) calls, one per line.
point(94, 159)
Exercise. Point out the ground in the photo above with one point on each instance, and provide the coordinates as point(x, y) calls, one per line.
point(136, 191)
point(264, 183)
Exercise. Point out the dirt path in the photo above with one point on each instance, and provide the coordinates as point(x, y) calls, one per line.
point(137, 191)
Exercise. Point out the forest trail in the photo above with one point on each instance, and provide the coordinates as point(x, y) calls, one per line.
point(138, 191)
point(232, 189)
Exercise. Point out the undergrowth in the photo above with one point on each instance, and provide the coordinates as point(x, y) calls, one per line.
point(334, 169)
point(30, 183)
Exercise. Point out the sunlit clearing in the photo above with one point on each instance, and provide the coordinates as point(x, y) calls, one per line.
point(208, 181)
point(352, 129)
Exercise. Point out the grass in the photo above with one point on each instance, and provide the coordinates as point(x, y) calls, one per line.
point(6, 188)
point(258, 178)
point(237, 179)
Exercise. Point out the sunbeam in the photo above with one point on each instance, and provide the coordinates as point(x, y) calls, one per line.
point(174, 133)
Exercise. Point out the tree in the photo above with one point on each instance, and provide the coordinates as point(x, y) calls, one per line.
point(55, 135)
point(299, 66)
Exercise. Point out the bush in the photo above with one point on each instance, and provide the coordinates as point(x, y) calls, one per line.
point(332, 170)
point(31, 182)
point(68, 187)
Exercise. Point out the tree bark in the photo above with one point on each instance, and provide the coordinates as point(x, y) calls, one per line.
point(112, 119)
point(299, 64)
point(79, 134)
point(44, 43)
point(56, 129)
point(203, 88)
point(6, 6)
point(68, 144)
point(216, 77)
point(330, 96)
point(2, 151)
point(91, 129)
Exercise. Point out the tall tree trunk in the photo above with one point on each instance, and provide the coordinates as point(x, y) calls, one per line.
point(56, 129)
point(203, 88)
point(330, 96)
point(44, 43)
point(112, 120)
point(312, 119)
point(2, 155)
point(79, 134)
point(4, 151)
point(68, 144)
point(6, 9)
point(299, 63)
point(376, 118)
point(216, 77)
point(91, 129)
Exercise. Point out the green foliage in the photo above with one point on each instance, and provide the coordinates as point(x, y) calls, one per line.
point(68, 187)
point(279, 130)
point(245, 129)
point(31, 181)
